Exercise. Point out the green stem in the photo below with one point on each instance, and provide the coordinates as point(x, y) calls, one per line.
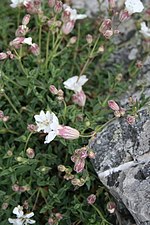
point(40, 37)
point(12, 105)
point(100, 214)
point(47, 48)
point(27, 141)
point(104, 125)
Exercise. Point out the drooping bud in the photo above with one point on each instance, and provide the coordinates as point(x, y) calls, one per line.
point(79, 98)
point(61, 168)
point(53, 89)
point(113, 105)
point(30, 153)
point(32, 128)
point(4, 205)
point(130, 119)
point(3, 56)
point(26, 19)
point(59, 216)
point(124, 15)
point(58, 6)
point(67, 132)
point(112, 4)
point(111, 207)
point(34, 49)
point(79, 165)
point(68, 27)
point(91, 199)
point(106, 25)
point(108, 34)
point(91, 154)
point(73, 40)
point(15, 188)
point(21, 31)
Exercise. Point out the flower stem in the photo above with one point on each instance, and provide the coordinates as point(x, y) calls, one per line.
point(47, 49)
point(27, 141)
point(101, 215)
point(12, 105)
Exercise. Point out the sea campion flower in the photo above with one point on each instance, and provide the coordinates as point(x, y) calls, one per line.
point(134, 6)
point(34, 49)
point(118, 111)
point(111, 207)
point(91, 199)
point(48, 123)
point(145, 31)
point(22, 219)
point(75, 83)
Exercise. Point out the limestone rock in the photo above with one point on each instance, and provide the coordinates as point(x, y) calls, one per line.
point(123, 155)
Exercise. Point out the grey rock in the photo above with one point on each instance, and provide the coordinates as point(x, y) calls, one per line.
point(123, 155)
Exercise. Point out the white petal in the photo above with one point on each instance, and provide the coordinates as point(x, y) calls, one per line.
point(81, 16)
point(28, 215)
point(28, 41)
point(18, 211)
point(15, 221)
point(31, 221)
point(51, 135)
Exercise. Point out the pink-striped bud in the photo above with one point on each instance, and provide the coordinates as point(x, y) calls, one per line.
point(34, 49)
point(130, 119)
point(111, 207)
point(51, 221)
point(21, 31)
point(17, 42)
point(124, 15)
point(26, 19)
point(51, 3)
point(4, 205)
point(68, 27)
point(58, 6)
point(67, 132)
point(66, 16)
point(79, 98)
point(113, 105)
point(1, 114)
point(53, 89)
point(106, 25)
point(79, 165)
point(3, 56)
point(91, 199)
point(30, 153)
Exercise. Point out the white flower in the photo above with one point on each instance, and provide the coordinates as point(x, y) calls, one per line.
point(22, 219)
point(48, 123)
point(16, 3)
point(145, 30)
point(134, 6)
point(27, 41)
point(73, 13)
point(75, 83)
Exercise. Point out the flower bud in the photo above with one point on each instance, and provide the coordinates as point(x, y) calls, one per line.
point(1, 114)
point(113, 105)
point(15, 188)
point(89, 38)
point(130, 119)
point(3, 56)
point(68, 27)
point(124, 15)
point(79, 165)
point(108, 34)
point(112, 4)
point(58, 216)
point(91, 154)
point(122, 111)
point(73, 40)
point(111, 207)
point(51, 3)
point(30, 153)
point(5, 118)
point(4, 205)
point(91, 199)
point(21, 31)
point(50, 221)
point(79, 98)
point(58, 6)
point(106, 25)
point(32, 127)
point(26, 19)
point(53, 89)
point(67, 132)
point(61, 168)
point(34, 49)
point(17, 42)
point(75, 181)
point(10, 55)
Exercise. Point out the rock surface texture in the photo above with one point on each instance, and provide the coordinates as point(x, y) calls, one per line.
point(123, 156)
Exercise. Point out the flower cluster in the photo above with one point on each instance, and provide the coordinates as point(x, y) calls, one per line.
point(75, 84)
point(22, 218)
point(48, 123)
